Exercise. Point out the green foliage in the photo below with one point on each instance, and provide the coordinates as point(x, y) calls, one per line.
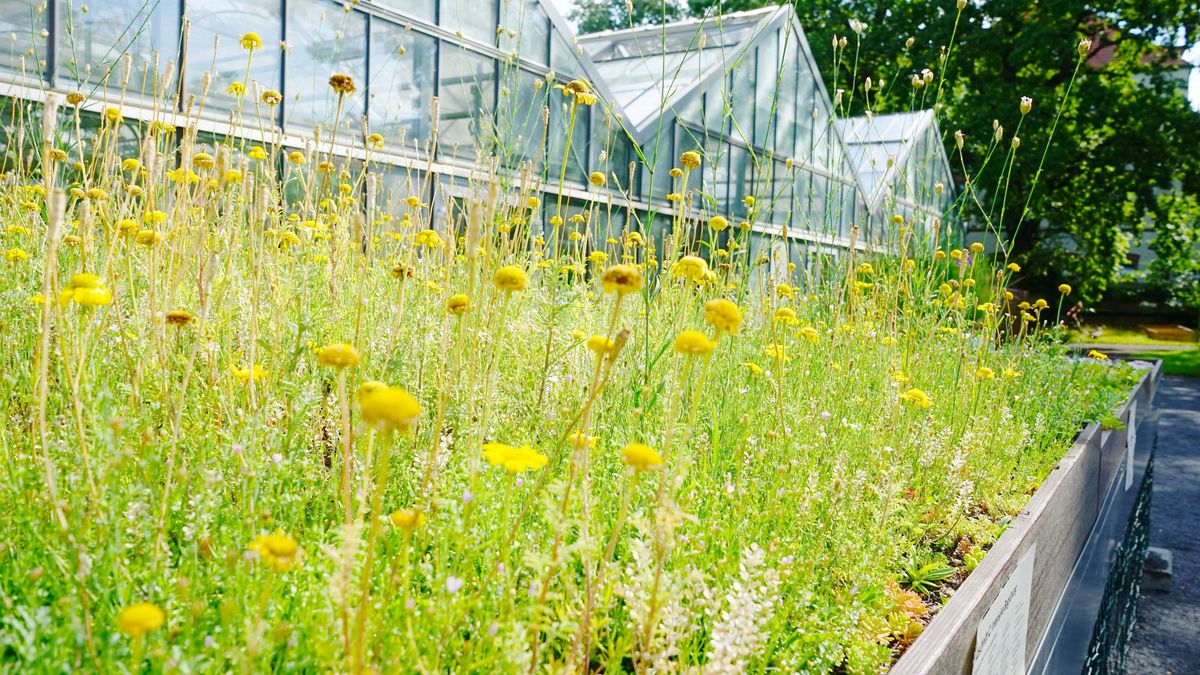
point(1125, 139)
point(924, 578)
point(592, 16)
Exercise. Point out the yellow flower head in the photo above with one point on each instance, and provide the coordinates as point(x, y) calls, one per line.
point(809, 333)
point(251, 41)
point(580, 90)
point(787, 316)
point(408, 520)
point(1065, 289)
point(179, 317)
point(427, 239)
point(338, 355)
point(1097, 354)
point(341, 83)
point(15, 255)
point(514, 460)
point(140, 619)
point(777, 352)
point(693, 343)
point(916, 397)
point(723, 315)
point(271, 97)
point(148, 237)
point(510, 278)
point(1013, 267)
point(719, 223)
point(640, 456)
point(388, 407)
point(296, 157)
point(244, 375)
point(690, 267)
point(458, 304)
point(602, 345)
point(621, 279)
point(277, 551)
point(597, 179)
point(690, 160)
point(984, 373)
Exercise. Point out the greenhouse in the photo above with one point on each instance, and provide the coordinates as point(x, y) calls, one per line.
point(743, 89)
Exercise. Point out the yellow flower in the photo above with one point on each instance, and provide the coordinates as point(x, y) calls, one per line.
point(621, 279)
point(783, 291)
point(277, 551)
point(718, 223)
point(723, 315)
point(271, 97)
point(342, 83)
point(510, 278)
point(581, 441)
point(15, 255)
point(640, 456)
point(777, 352)
point(690, 160)
point(407, 519)
point(514, 460)
point(580, 90)
point(690, 267)
point(749, 201)
point(127, 226)
point(338, 355)
point(154, 217)
point(458, 304)
point(113, 115)
point(785, 315)
point(244, 375)
point(427, 239)
point(130, 164)
point(251, 41)
point(976, 247)
point(388, 407)
point(235, 89)
point(296, 157)
point(1065, 289)
point(233, 176)
point(984, 373)
point(597, 179)
point(1097, 354)
point(602, 344)
point(916, 397)
point(693, 343)
point(809, 333)
point(1011, 374)
point(148, 237)
point(179, 317)
point(375, 141)
point(57, 155)
point(1013, 267)
point(752, 367)
point(140, 619)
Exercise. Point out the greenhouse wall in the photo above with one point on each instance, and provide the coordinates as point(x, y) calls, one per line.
point(743, 89)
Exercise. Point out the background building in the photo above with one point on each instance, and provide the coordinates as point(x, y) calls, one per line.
point(743, 89)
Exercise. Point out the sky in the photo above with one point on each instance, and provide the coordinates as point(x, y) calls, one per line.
point(1191, 56)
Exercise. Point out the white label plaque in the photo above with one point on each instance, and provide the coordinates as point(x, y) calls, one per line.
point(1000, 640)
point(1130, 440)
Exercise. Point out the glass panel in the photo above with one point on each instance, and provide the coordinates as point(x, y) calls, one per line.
point(526, 30)
point(560, 113)
point(90, 46)
point(805, 89)
point(468, 98)
point(742, 99)
point(766, 86)
point(324, 40)
point(421, 9)
point(21, 24)
point(475, 19)
point(403, 64)
point(519, 117)
point(564, 60)
point(228, 20)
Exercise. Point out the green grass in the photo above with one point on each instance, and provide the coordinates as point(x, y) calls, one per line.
point(1117, 336)
point(1186, 363)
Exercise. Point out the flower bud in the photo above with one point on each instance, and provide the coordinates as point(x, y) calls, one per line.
point(909, 43)
point(959, 138)
point(1026, 105)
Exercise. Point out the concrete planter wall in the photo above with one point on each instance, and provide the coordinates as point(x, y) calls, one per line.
point(1073, 524)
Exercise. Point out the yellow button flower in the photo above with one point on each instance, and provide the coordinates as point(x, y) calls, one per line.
point(640, 456)
point(140, 619)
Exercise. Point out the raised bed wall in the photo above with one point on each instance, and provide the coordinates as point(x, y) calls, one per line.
point(1064, 570)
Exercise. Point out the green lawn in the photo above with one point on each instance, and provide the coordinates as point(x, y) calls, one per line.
point(1178, 362)
point(1117, 336)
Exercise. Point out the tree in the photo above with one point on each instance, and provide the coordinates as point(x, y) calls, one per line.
point(592, 16)
point(1124, 138)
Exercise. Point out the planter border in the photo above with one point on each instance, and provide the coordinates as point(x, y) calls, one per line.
point(1059, 518)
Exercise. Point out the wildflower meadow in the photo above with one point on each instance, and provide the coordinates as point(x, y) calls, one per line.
point(263, 413)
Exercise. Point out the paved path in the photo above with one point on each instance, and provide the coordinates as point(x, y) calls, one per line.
point(1166, 638)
